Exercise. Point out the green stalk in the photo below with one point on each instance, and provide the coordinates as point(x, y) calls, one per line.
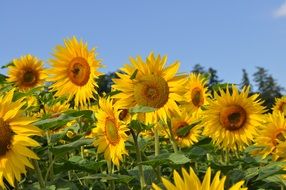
point(139, 159)
point(50, 156)
point(110, 171)
point(39, 174)
point(172, 139)
point(157, 144)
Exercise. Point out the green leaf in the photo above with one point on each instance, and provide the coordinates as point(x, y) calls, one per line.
point(139, 126)
point(183, 131)
point(274, 168)
point(79, 164)
point(133, 76)
point(111, 177)
point(58, 150)
point(141, 109)
point(53, 123)
point(165, 158)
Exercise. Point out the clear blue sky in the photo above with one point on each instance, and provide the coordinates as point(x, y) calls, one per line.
point(226, 35)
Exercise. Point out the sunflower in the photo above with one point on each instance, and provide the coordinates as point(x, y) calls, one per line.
point(74, 70)
point(26, 72)
point(183, 120)
point(15, 132)
point(109, 131)
point(231, 119)
point(149, 83)
point(280, 105)
point(272, 137)
point(191, 181)
point(196, 93)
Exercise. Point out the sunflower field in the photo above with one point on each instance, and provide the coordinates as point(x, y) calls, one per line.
point(156, 129)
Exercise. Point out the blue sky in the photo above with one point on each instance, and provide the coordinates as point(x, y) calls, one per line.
point(226, 35)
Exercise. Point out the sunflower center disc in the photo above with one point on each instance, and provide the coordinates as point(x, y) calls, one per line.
point(29, 78)
point(123, 114)
point(79, 71)
point(233, 117)
point(111, 131)
point(6, 135)
point(151, 91)
point(282, 108)
point(197, 97)
point(180, 126)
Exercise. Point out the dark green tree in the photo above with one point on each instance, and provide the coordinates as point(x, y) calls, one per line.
point(245, 80)
point(213, 77)
point(198, 69)
point(267, 86)
point(104, 83)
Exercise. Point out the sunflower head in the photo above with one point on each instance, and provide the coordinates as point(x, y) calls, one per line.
point(74, 70)
point(280, 105)
point(26, 72)
point(149, 83)
point(231, 119)
point(110, 132)
point(272, 137)
point(16, 130)
point(190, 180)
point(196, 94)
point(185, 134)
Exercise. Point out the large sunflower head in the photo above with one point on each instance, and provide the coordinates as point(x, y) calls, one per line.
point(185, 134)
point(280, 105)
point(190, 180)
point(74, 70)
point(15, 139)
point(110, 131)
point(149, 83)
point(26, 72)
point(195, 92)
point(272, 136)
point(231, 119)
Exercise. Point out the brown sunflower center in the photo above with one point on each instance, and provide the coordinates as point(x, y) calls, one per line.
point(111, 131)
point(279, 136)
point(197, 97)
point(233, 117)
point(282, 108)
point(180, 126)
point(6, 136)
point(151, 91)
point(79, 71)
point(123, 114)
point(30, 78)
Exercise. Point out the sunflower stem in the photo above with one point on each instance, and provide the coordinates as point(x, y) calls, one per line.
point(50, 156)
point(39, 174)
point(172, 139)
point(139, 159)
point(110, 171)
point(157, 151)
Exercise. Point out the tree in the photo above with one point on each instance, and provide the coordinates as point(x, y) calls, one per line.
point(245, 80)
point(267, 87)
point(104, 83)
point(213, 77)
point(198, 69)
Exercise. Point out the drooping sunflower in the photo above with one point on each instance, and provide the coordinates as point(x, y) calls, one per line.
point(149, 83)
point(183, 120)
point(191, 181)
point(231, 119)
point(272, 137)
point(15, 139)
point(74, 70)
point(110, 131)
point(26, 72)
point(280, 105)
point(196, 94)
